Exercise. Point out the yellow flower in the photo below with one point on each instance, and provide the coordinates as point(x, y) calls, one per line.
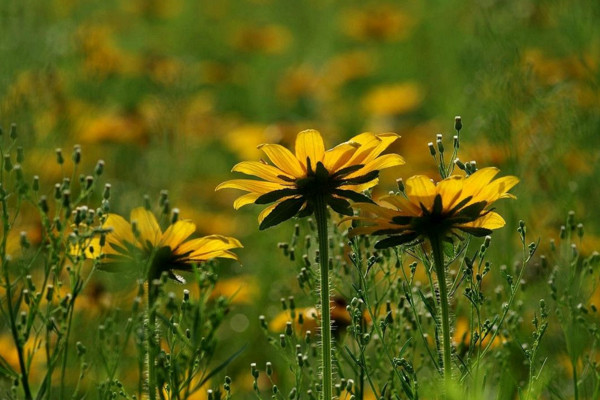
point(388, 100)
point(143, 239)
point(455, 203)
point(295, 181)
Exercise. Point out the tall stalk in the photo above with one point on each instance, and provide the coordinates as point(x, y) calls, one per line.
point(151, 333)
point(440, 270)
point(321, 219)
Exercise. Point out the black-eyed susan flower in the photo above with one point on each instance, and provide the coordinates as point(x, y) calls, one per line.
point(307, 182)
point(142, 240)
point(293, 182)
point(426, 209)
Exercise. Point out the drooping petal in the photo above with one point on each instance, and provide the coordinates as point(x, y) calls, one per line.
point(266, 211)
point(248, 198)
point(148, 227)
point(283, 159)
point(309, 144)
point(251, 185)
point(261, 170)
point(177, 233)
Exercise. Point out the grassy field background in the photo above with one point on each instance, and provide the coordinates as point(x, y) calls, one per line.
point(172, 94)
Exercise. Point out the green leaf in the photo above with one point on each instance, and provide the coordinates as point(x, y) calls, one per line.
point(275, 195)
point(284, 211)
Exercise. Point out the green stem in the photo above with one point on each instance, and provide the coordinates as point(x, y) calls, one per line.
point(440, 270)
point(575, 388)
point(321, 219)
point(151, 335)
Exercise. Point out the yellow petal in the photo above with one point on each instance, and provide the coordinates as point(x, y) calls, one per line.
point(478, 180)
point(368, 143)
point(380, 211)
point(420, 189)
point(497, 188)
point(250, 185)
point(450, 189)
point(283, 159)
point(261, 170)
point(248, 198)
point(148, 227)
point(266, 211)
point(121, 229)
point(385, 161)
point(385, 140)
point(197, 248)
point(309, 144)
point(177, 233)
point(491, 220)
point(402, 204)
point(362, 187)
point(334, 159)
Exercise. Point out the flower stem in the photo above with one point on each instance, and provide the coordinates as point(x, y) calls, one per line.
point(151, 337)
point(440, 270)
point(321, 219)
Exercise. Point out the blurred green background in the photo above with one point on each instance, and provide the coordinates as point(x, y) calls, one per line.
point(171, 94)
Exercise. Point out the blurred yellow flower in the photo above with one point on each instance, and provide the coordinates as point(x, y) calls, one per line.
point(294, 180)
point(311, 317)
point(392, 100)
point(462, 335)
point(113, 128)
point(142, 239)
point(102, 56)
point(426, 209)
point(268, 39)
point(240, 289)
point(244, 140)
point(378, 22)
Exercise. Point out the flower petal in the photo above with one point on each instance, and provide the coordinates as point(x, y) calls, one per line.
point(251, 185)
point(337, 157)
point(248, 198)
point(147, 226)
point(379, 163)
point(490, 220)
point(309, 144)
point(283, 159)
point(177, 233)
point(420, 189)
point(450, 189)
point(261, 170)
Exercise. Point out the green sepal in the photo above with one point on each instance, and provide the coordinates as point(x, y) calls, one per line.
point(396, 240)
point(284, 211)
point(275, 195)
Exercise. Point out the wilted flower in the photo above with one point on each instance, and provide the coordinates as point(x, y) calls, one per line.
point(455, 203)
point(294, 181)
